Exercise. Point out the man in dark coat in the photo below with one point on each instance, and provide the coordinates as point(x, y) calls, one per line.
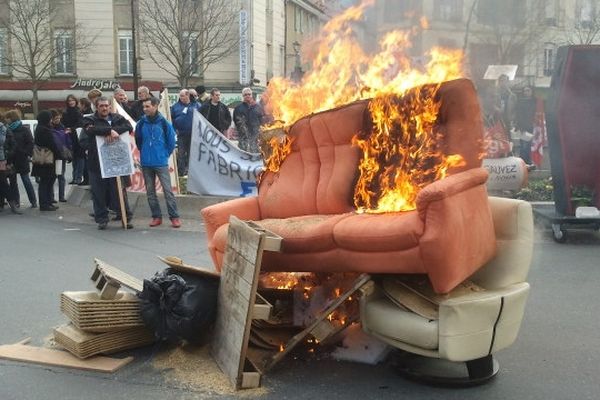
point(46, 172)
point(109, 126)
point(216, 112)
point(248, 116)
point(22, 154)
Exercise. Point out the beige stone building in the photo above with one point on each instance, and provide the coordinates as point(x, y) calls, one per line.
point(268, 35)
point(522, 32)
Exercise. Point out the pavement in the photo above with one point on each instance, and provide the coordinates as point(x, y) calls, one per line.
point(44, 253)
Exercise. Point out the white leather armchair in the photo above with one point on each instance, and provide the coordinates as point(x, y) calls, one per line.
point(466, 326)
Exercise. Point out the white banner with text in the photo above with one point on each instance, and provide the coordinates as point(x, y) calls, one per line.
point(217, 166)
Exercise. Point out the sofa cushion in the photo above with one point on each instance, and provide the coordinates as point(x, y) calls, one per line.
point(379, 232)
point(303, 234)
point(318, 175)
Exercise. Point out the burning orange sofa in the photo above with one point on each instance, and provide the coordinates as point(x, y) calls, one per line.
point(309, 202)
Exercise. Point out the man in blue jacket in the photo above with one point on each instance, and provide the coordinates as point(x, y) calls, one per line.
point(182, 114)
point(155, 138)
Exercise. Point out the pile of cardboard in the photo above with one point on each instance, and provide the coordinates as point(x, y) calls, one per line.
point(87, 344)
point(88, 312)
point(105, 321)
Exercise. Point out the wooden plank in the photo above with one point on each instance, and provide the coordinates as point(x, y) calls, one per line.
point(250, 380)
point(59, 358)
point(237, 294)
point(272, 241)
point(262, 308)
point(360, 281)
point(323, 330)
point(178, 265)
point(261, 311)
point(113, 273)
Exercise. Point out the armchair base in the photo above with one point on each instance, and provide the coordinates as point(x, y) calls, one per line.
point(440, 372)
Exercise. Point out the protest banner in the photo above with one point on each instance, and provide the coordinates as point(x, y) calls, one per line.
point(217, 166)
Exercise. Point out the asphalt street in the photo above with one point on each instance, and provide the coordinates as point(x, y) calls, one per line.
point(42, 254)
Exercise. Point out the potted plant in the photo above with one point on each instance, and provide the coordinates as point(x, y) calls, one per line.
point(581, 196)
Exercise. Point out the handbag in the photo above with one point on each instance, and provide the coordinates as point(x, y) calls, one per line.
point(42, 156)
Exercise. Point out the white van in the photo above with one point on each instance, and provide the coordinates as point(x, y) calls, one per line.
point(31, 123)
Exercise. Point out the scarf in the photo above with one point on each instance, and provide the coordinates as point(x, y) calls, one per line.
point(15, 125)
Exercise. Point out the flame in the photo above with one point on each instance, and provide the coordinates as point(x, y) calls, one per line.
point(401, 155)
point(280, 147)
point(342, 71)
point(402, 152)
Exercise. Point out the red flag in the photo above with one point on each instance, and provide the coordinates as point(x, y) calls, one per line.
point(539, 134)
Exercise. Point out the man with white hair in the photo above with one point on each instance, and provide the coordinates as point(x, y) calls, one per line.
point(248, 116)
point(120, 96)
point(137, 109)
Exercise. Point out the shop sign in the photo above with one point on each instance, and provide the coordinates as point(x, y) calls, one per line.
point(101, 84)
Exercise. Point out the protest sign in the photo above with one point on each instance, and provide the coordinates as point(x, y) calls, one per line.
point(217, 166)
point(115, 157)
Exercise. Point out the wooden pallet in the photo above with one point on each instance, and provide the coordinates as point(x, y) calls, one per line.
point(109, 279)
point(239, 304)
point(237, 300)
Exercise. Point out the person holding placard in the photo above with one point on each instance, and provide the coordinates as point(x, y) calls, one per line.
point(108, 126)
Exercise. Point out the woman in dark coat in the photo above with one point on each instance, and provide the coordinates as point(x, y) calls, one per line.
point(72, 119)
point(46, 172)
point(23, 152)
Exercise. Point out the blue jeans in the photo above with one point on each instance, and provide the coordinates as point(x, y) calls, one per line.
point(77, 164)
point(14, 187)
point(150, 174)
point(61, 179)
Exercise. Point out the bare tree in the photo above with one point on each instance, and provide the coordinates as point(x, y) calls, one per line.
point(37, 45)
point(583, 29)
point(184, 37)
point(513, 28)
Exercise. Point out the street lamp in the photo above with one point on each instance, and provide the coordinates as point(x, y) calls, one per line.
point(134, 70)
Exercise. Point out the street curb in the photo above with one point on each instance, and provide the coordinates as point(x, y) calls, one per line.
point(188, 206)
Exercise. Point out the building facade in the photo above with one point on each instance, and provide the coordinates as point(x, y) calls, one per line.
point(91, 44)
point(526, 33)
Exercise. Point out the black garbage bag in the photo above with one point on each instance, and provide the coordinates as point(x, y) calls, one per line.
point(179, 306)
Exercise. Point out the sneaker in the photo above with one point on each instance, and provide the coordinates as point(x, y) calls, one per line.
point(48, 208)
point(129, 225)
point(34, 205)
point(102, 225)
point(62, 200)
point(175, 222)
point(155, 222)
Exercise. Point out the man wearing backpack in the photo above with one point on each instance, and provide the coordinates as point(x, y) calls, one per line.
point(155, 138)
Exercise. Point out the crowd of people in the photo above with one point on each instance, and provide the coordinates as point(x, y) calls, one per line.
point(69, 136)
point(513, 115)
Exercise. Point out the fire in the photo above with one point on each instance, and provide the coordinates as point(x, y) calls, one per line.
point(400, 155)
point(401, 152)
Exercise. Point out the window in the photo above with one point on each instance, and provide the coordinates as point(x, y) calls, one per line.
point(191, 53)
point(449, 10)
point(585, 13)
point(395, 10)
point(63, 45)
point(548, 58)
point(507, 12)
point(550, 12)
point(3, 52)
point(298, 19)
point(125, 53)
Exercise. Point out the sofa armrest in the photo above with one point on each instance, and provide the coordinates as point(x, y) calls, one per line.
point(245, 208)
point(481, 323)
point(449, 186)
point(459, 232)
